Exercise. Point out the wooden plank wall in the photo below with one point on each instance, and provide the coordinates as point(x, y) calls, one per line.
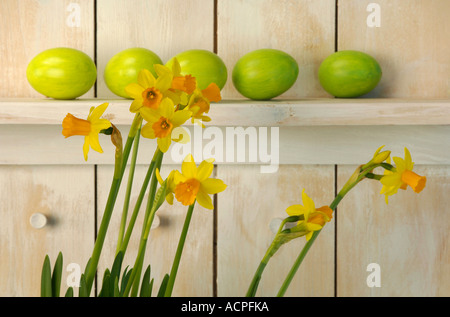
point(407, 238)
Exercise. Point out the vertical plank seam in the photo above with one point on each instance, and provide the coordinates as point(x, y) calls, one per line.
point(95, 44)
point(95, 166)
point(215, 211)
point(335, 229)
point(336, 48)
point(215, 26)
point(336, 31)
point(215, 216)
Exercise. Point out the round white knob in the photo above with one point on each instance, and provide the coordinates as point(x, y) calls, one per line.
point(38, 220)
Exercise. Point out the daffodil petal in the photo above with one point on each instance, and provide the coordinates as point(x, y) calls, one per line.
point(146, 79)
point(213, 186)
point(164, 82)
point(204, 170)
point(204, 200)
point(180, 117)
point(166, 108)
point(150, 115)
point(188, 167)
point(101, 124)
point(98, 112)
point(295, 210)
point(164, 144)
point(95, 143)
point(86, 147)
point(134, 90)
point(147, 131)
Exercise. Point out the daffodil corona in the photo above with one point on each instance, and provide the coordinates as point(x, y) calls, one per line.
point(402, 176)
point(194, 183)
point(162, 122)
point(313, 219)
point(89, 128)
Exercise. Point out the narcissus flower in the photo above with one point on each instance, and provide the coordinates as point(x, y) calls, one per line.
point(185, 83)
point(162, 122)
point(401, 176)
point(313, 219)
point(170, 185)
point(199, 102)
point(89, 128)
point(194, 183)
point(148, 92)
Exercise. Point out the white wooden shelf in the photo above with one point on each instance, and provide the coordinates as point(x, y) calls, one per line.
point(309, 131)
point(305, 112)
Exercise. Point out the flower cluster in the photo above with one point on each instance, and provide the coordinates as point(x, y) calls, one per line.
point(161, 105)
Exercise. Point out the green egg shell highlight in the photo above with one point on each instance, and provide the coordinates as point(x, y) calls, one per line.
point(264, 74)
point(349, 74)
point(62, 73)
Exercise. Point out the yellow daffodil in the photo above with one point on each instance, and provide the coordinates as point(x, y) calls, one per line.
point(379, 157)
point(162, 122)
point(185, 83)
point(313, 219)
point(402, 176)
point(170, 185)
point(194, 183)
point(148, 92)
point(199, 103)
point(89, 128)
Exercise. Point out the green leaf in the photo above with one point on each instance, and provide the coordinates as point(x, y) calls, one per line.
point(105, 289)
point(116, 291)
point(162, 288)
point(46, 278)
point(57, 274)
point(126, 275)
point(69, 292)
point(83, 291)
point(115, 271)
point(146, 290)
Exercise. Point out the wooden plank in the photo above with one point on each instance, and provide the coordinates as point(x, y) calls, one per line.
point(296, 145)
point(302, 28)
point(245, 210)
point(411, 44)
point(408, 238)
point(166, 27)
point(163, 240)
point(65, 195)
point(305, 112)
point(28, 27)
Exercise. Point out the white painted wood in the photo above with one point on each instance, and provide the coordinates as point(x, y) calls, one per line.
point(302, 112)
point(411, 44)
point(407, 238)
point(28, 27)
point(297, 145)
point(302, 28)
point(166, 27)
point(245, 210)
point(64, 195)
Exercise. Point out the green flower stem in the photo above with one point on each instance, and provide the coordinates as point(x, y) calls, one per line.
point(157, 156)
point(176, 261)
point(128, 191)
point(148, 220)
point(274, 246)
point(120, 161)
point(355, 179)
